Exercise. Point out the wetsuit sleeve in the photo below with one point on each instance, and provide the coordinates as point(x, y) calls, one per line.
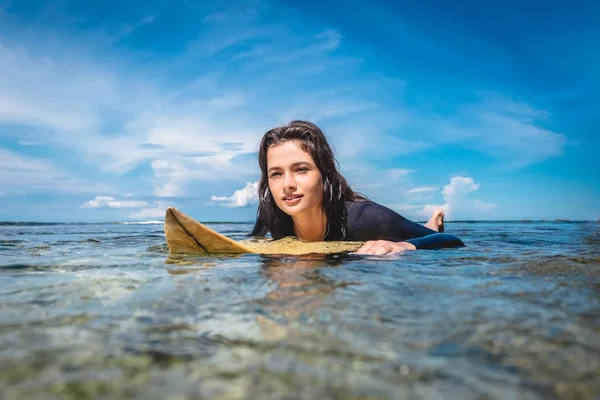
point(372, 221)
point(436, 241)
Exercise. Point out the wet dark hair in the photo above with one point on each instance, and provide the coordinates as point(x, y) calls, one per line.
point(336, 189)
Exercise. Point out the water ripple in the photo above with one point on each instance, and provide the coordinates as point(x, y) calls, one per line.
point(92, 311)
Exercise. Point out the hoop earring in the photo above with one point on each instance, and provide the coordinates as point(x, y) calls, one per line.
point(326, 184)
point(266, 194)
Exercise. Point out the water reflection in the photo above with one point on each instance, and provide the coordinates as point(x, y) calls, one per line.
point(299, 287)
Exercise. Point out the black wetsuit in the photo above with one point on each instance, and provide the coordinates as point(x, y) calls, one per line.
point(371, 221)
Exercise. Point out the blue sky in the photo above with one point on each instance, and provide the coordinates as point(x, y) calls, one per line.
point(112, 112)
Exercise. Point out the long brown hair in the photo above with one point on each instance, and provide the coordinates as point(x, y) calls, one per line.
point(336, 189)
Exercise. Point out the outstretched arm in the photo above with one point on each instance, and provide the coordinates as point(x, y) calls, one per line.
point(434, 241)
point(385, 231)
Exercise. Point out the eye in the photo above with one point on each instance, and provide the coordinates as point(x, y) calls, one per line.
point(274, 174)
point(302, 169)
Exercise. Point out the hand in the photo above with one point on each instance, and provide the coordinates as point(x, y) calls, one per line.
point(379, 247)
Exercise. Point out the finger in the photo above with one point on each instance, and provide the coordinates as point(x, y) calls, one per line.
point(366, 248)
point(381, 250)
point(362, 249)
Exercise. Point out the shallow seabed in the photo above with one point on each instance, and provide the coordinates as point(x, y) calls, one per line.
point(100, 311)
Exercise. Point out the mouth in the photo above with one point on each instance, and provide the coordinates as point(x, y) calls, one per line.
point(292, 199)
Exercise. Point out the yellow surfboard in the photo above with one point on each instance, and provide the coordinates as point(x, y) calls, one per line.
point(185, 235)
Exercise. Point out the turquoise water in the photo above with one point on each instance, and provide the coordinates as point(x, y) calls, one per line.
point(101, 311)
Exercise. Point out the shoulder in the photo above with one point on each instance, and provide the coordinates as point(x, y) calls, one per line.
point(367, 220)
point(369, 209)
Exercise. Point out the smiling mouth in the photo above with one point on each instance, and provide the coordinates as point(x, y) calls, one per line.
point(292, 199)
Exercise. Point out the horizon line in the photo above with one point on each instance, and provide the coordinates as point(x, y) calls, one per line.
point(157, 222)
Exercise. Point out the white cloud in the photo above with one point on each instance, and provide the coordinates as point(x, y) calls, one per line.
point(20, 174)
point(352, 108)
point(330, 38)
point(30, 143)
point(110, 202)
point(394, 174)
point(482, 205)
point(423, 189)
point(240, 198)
point(199, 129)
point(169, 189)
point(458, 204)
point(157, 211)
point(127, 30)
point(174, 178)
point(18, 112)
point(459, 186)
point(509, 130)
point(51, 87)
point(363, 176)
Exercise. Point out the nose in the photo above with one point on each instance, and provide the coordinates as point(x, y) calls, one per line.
point(289, 182)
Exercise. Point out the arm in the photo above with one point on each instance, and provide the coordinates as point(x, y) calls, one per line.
point(430, 242)
point(386, 231)
point(436, 241)
point(372, 221)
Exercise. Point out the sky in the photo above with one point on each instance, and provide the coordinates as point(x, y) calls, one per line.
point(113, 111)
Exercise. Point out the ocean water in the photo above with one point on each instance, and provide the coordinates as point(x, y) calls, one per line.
point(101, 311)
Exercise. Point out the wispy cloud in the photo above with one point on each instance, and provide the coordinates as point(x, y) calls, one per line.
point(482, 205)
point(398, 173)
point(158, 210)
point(213, 108)
point(20, 174)
point(170, 128)
point(512, 132)
point(240, 198)
point(29, 143)
point(331, 39)
point(182, 121)
point(192, 108)
point(423, 189)
point(367, 177)
point(128, 29)
point(51, 88)
point(111, 202)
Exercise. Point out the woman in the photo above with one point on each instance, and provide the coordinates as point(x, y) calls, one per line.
point(302, 194)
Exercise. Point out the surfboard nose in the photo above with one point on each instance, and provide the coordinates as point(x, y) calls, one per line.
point(186, 235)
point(169, 214)
point(178, 238)
point(174, 217)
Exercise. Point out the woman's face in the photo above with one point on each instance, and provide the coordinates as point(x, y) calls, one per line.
point(294, 179)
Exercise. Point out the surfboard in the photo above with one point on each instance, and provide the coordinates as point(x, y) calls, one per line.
point(185, 235)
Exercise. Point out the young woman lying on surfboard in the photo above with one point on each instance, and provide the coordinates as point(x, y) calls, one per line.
point(302, 194)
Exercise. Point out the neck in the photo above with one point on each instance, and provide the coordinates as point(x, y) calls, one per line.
point(311, 226)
